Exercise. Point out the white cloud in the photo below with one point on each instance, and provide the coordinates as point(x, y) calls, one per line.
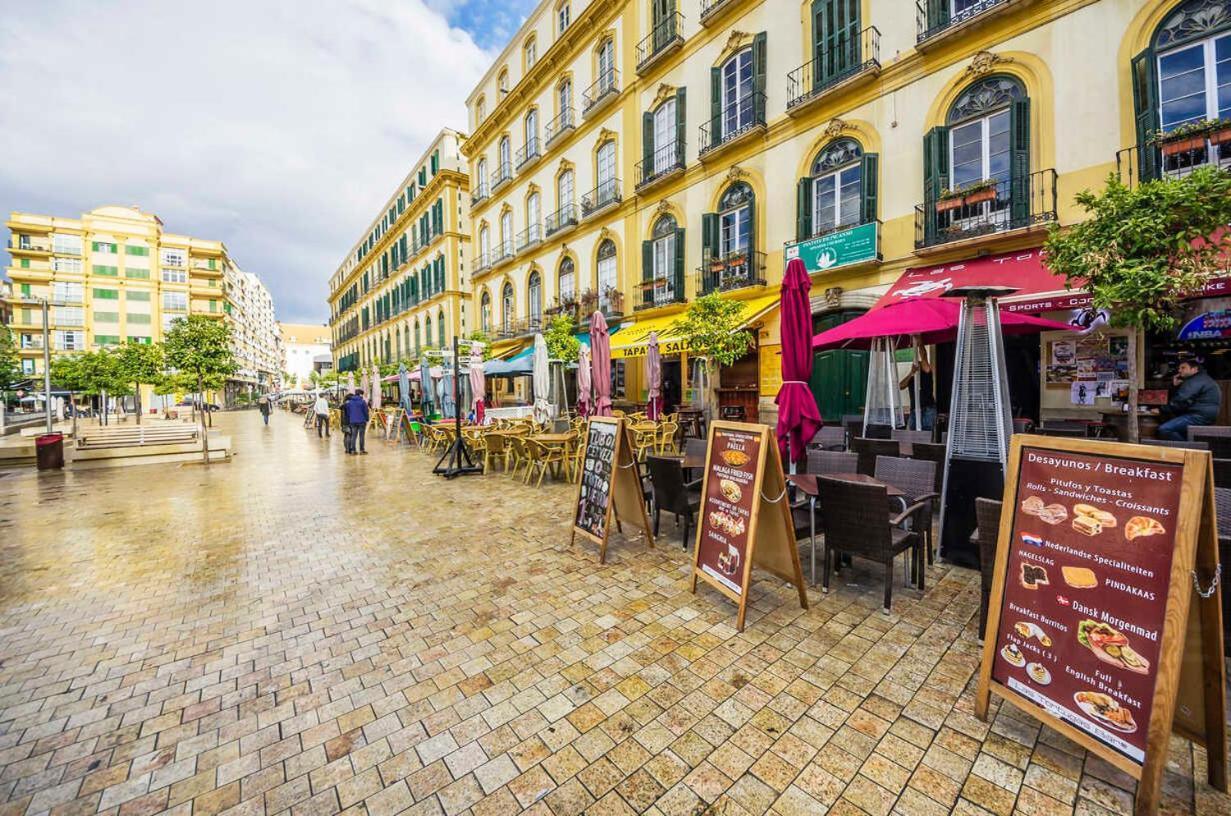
point(278, 127)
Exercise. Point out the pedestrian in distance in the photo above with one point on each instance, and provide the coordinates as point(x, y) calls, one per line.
point(348, 432)
point(266, 406)
point(357, 414)
point(321, 409)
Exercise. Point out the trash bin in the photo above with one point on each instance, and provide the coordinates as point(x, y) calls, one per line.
point(49, 451)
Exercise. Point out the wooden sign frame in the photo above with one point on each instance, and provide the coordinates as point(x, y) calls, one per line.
point(1190, 663)
point(772, 529)
point(624, 492)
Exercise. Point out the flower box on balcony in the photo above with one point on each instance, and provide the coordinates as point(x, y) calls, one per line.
point(946, 204)
point(1183, 145)
point(1220, 136)
point(979, 196)
point(653, 282)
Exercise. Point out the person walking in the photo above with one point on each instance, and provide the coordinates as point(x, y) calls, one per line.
point(357, 414)
point(266, 407)
point(321, 409)
point(348, 433)
point(1196, 402)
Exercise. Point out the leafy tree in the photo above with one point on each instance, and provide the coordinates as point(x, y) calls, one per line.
point(561, 338)
point(141, 364)
point(484, 339)
point(200, 348)
point(711, 330)
point(1143, 250)
point(10, 364)
point(93, 373)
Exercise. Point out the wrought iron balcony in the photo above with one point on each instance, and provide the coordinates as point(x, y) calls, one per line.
point(661, 291)
point(503, 175)
point(529, 237)
point(711, 10)
point(1171, 157)
point(995, 206)
point(528, 152)
point(735, 270)
point(23, 243)
point(600, 198)
point(483, 262)
point(479, 193)
point(857, 56)
point(559, 126)
point(738, 119)
point(665, 37)
point(562, 219)
point(665, 161)
point(604, 89)
point(502, 252)
point(610, 303)
point(933, 18)
point(518, 327)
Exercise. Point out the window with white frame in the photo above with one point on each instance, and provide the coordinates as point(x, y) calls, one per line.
point(27, 365)
point(175, 276)
point(504, 158)
point(534, 300)
point(506, 232)
point(564, 96)
point(735, 221)
point(66, 264)
point(562, 17)
point(980, 139)
point(1195, 86)
point(665, 137)
point(506, 306)
point(564, 189)
point(737, 90)
point(567, 281)
point(66, 244)
point(485, 244)
point(534, 227)
point(532, 53)
point(606, 273)
point(485, 315)
point(502, 82)
point(837, 176)
point(663, 258)
point(175, 301)
point(532, 132)
point(606, 66)
point(481, 172)
point(174, 257)
point(606, 172)
point(67, 293)
point(69, 340)
point(68, 316)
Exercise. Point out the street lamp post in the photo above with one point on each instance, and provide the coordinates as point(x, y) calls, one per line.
point(47, 363)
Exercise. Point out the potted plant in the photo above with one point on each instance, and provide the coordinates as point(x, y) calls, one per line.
point(979, 192)
point(949, 200)
point(1192, 136)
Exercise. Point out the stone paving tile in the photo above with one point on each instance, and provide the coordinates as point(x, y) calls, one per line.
point(303, 633)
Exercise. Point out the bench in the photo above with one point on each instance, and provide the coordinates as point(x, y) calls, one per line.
point(137, 437)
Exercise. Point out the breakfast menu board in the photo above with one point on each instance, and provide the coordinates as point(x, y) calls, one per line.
point(1086, 588)
point(594, 496)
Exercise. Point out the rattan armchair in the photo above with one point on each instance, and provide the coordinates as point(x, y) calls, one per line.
point(916, 478)
point(869, 449)
point(1217, 437)
point(830, 437)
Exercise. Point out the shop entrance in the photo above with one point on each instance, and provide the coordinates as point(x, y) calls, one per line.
point(839, 379)
point(672, 385)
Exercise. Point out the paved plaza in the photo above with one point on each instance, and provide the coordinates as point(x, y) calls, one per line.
point(303, 632)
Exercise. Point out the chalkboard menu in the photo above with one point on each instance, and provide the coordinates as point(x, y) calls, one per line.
point(594, 497)
point(726, 515)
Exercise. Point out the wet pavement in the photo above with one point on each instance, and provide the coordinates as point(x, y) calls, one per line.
point(305, 632)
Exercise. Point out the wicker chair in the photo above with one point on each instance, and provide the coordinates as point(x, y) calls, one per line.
point(804, 508)
point(1218, 437)
point(917, 479)
point(869, 449)
point(987, 516)
point(831, 463)
point(555, 457)
point(667, 433)
point(1222, 474)
point(855, 524)
point(931, 452)
point(1172, 443)
point(912, 437)
point(672, 493)
point(694, 446)
point(517, 454)
point(830, 438)
point(495, 450)
point(876, 430)
point(853, 425)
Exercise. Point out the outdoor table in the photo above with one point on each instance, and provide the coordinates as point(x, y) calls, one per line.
point(552, 438)
point(807, 482)
point(688, 461)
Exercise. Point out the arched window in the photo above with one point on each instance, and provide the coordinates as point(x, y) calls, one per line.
point(1184, 80)
point(485, 312)
point(502, 82)
point(506, 234)
point(485, 246)
point(663, 263)
point(663, 137)
point(427, 331)
point(567, 282)
point(737, 86)
point(481, 175)
point(980, 144)
point(505, 160)
point(728, 241)
point(398, 333)
point(608, 294)
point(531, 52)
point(606, 67)
point(564, 99)
point(440, 328)
point(506, 306)
point(839, 191)
point(530, 129)
point(480, 111)
point(563, 17)
point(606, 165)
point(564, 190)
point(534, 302)
point(418, 343)
point(534, 227)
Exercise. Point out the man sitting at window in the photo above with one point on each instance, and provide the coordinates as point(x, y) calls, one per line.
point(1195, 402)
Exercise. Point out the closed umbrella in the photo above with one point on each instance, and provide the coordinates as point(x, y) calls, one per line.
point(444, 392)
point(654, 378)
point(425, 387)
point(478, 386)
point(601, 364)
point(375, 388)
point(542, 380)
point(583, 381)
point(404, 387)
point(350, 382)
point(798, 416)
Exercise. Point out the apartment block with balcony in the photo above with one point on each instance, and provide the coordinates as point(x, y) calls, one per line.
point(403, 287)
point(255, 339)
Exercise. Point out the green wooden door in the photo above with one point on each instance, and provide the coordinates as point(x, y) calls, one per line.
point(835, 39)
point(839, 378)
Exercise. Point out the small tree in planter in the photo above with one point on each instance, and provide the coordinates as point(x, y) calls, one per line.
point(1144, 250)
point(561, 338)
point(199, 347)
point(141, 364)
point(710, 329)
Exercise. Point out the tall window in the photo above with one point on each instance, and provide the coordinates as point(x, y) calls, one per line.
point(481, 173)
point(485, 312)
point(665, 129)
point(663, 260)
point(562, 17)
point(440, 328)
point(534, 226)
point(564, 189)
point(606, 65)
point(735, 220)
point(480, 111)
point(532, 132)
point(980, 139)
point(485, 244)
point(564, 95)
point(506, 232)
point(568, 284)
point(427, 330)
point(532, 53)
point(606, 274)
point(737, 89)
point(502, 82)
point(606, 171)
point(505, 159)
point(506, 305)
point(535, 300)
point(836, 181)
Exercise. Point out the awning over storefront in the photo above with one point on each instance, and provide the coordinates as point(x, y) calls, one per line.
point(635, 337)
point(522, 363)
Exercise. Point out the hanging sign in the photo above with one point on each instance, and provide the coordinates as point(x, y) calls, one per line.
point(745, 514)
point(1089, 624)
point(837, 249)
point(1214, 325)
point(609, 489)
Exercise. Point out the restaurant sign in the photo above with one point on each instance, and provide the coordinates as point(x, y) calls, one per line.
point(1214, 325)
point(837, 249)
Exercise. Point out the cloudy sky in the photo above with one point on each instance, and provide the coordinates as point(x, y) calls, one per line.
point(277, 126)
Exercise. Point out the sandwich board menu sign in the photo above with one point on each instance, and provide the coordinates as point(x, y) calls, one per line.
point(745, 514)
point(1094, 625)
point(609, 489)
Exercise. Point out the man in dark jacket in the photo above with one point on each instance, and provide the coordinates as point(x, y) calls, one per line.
point(356, 414)
point(1196, 402)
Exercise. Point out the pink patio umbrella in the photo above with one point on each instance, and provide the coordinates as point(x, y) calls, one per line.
point(601, 364)
point(934, 320)
point(583, 380)
point(798, 416)
point(654, 378)
point(478, 385)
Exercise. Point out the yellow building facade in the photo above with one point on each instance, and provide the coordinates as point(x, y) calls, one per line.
point(630, 156)
point(403, 287)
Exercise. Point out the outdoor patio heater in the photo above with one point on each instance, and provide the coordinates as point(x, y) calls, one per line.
point(881, 399)
point(980, 421)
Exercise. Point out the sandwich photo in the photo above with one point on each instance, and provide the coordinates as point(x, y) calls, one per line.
point(1110, 646)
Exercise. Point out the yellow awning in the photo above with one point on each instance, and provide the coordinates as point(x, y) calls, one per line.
point(504, 349)
point(633, 338)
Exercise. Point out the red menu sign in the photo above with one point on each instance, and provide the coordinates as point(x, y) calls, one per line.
point(1085, 591)
point(726, 512)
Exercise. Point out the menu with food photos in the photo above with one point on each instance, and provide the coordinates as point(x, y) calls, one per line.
point(726, 509)
point(1089, 568)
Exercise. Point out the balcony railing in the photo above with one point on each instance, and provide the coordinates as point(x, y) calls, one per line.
point(24, 244)
point(600, 198)
point(562, 124)
point(737, 119)
point(710, 9)
point(604, 88)
point(664, 161)
point(502, 175)
point(735, 270)
point(665, 36)
point(483, 262)
point(530, 236)
point(610, 303)
point(998, 206)
point(519, 328)
point(849, 58)
point(502, 252)
point(1174, 158)
point(661, 291)
point(933, 18)
point(561, 219)
point(480, 193)
point(528, 152)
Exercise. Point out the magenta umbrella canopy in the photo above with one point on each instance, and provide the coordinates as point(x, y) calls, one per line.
point(798, 416)
point(933, 319)
point(600, 346)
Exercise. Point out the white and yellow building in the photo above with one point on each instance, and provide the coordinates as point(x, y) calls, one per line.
point(630, 156)
point(403, 287)
point(305, 348)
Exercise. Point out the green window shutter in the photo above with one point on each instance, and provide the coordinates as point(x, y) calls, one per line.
point(25, 263)
point(752, 233)
point(106, 317)
point(143, 319)
point(935, 176)
point(678, 264)
point(422, 176)
point(938, 14)
point(107, 294)
point(758, 76)
point(1019, 162)
point(440, 329)
point(715, 104)
point(212, 263)
point(803, 209)
point(709, 235)
point(141, 274)
point(647, 145)
point(25, 290)
point(868, 179)
point(681, 137)
point(1145, 112)
point(108, 271)
point(647, 271)
point(135, 296)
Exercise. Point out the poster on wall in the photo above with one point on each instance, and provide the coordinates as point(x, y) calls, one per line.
point(1082, 392)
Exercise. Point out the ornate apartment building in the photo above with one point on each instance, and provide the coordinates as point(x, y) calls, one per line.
point(403, 287)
